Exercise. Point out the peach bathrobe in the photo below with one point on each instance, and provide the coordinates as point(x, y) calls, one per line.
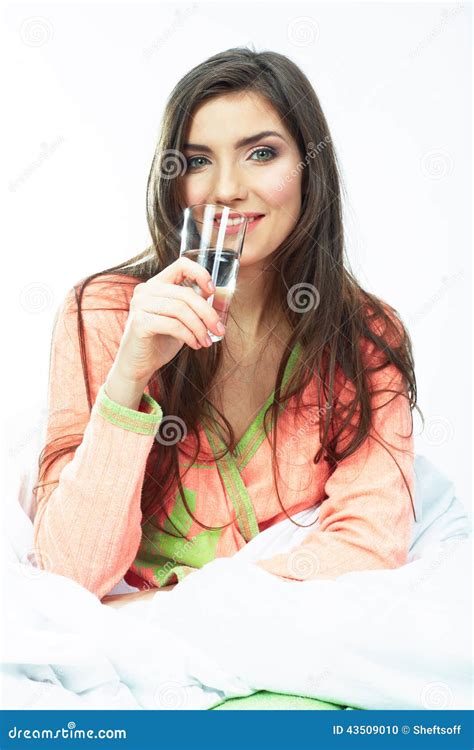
point(89, 525)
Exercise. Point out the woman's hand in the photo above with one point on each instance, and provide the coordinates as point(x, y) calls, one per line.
point(164, 316)
point(118, 600)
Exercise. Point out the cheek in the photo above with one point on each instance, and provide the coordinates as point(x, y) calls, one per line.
point(281, 187)
point(191, 192)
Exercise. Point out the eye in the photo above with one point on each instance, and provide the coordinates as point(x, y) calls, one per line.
point(271, 153)
point(191, 159)
point(192, 162)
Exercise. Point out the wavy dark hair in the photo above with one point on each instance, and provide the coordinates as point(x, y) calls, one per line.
point(313, 254)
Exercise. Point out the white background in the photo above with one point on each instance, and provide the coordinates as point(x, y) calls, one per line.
point(83, 98)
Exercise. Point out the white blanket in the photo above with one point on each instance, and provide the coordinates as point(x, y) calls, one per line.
point(383, 639)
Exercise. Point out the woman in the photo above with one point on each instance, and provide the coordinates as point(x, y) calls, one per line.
point(159, 446)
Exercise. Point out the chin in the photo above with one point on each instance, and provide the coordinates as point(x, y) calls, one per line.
point(249, 258)
point(254, 260)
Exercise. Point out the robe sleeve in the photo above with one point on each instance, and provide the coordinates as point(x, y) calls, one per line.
point(366, 518)
point(87, 524)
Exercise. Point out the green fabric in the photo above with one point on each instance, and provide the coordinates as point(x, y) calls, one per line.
point(267, 701)
point(255, 433)
point(129, 419)
point(167, 554)
point(237, 491)
point(232, 464)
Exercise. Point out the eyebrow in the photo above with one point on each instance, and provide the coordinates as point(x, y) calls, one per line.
point(243, 141)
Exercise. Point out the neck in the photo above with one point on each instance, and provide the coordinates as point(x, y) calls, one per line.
point(249, 312)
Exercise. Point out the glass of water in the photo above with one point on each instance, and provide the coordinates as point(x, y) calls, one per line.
point(213, 236)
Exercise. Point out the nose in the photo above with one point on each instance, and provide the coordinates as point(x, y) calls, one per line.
point(228, 186)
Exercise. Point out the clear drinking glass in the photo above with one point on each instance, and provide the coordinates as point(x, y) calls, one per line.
point(213, 236)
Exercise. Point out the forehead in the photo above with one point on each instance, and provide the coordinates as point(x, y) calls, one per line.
point(233, 116)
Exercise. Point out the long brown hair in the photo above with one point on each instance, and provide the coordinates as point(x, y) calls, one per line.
point(311, 258)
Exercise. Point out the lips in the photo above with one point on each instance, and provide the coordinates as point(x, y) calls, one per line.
point(251, 224)
point(249, 215)
point(255, 223)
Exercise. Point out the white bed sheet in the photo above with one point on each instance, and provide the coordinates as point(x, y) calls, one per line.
point(372, 639)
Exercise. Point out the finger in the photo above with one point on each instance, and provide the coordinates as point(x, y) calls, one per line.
point(179, 309)
point(164, 325)
point(184, 268)
point(203, 310)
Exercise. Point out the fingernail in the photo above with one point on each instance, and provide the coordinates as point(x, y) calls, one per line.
point(211, 286)
point(220, 327)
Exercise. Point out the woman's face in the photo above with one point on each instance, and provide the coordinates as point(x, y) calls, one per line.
point(260, 176)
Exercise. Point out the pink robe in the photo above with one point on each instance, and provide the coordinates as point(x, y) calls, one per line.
point(89, 525)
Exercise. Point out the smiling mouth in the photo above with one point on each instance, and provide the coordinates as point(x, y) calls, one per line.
point(239, 220)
